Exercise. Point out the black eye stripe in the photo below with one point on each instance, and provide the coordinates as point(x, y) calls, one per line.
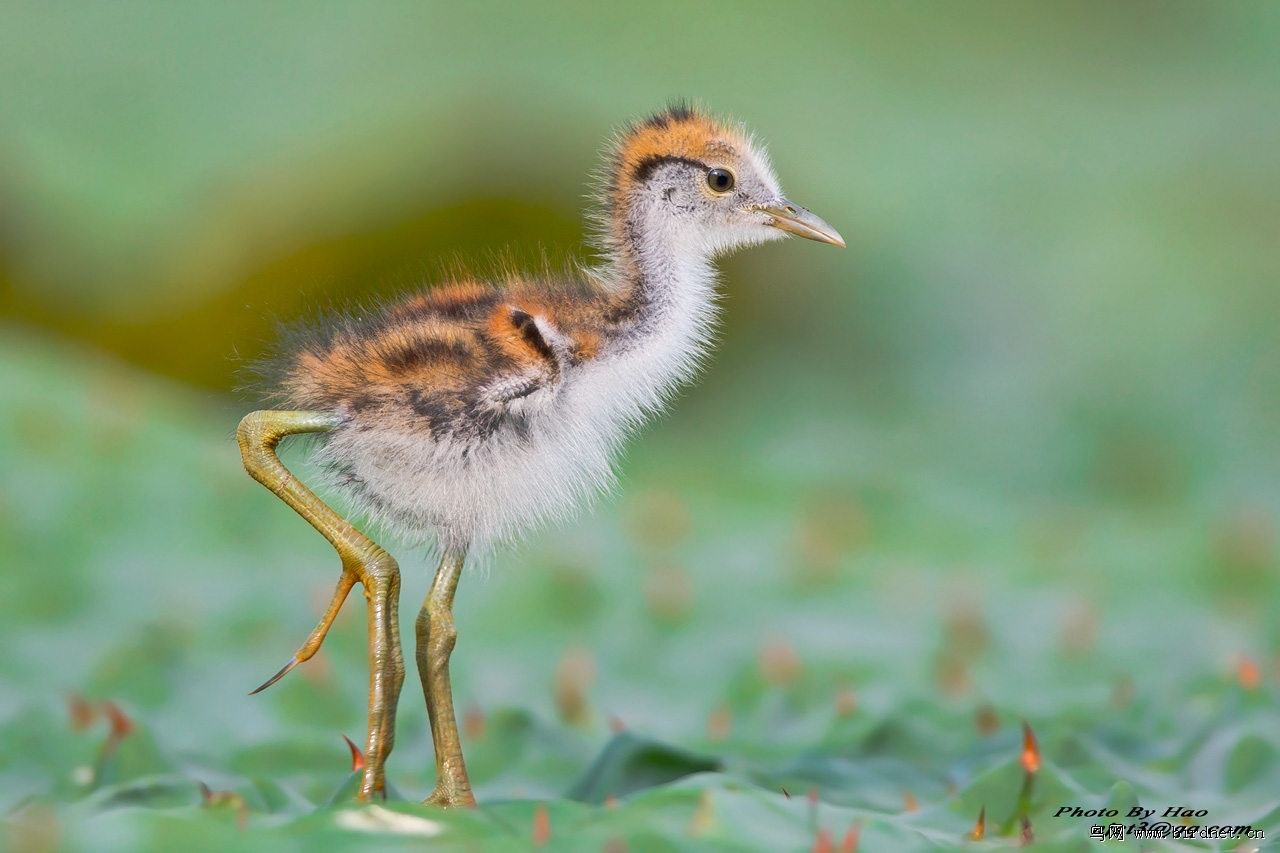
point(646, 167)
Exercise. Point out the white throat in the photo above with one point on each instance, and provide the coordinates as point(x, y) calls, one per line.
point(672, 275)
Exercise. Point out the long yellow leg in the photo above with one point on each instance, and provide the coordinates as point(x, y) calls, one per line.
point(362, 562)
point(436, 636)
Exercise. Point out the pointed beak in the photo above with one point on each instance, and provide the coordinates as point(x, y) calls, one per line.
point(796, 220)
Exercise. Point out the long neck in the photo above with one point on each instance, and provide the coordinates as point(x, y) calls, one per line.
point(663, 302)
point(662, 281)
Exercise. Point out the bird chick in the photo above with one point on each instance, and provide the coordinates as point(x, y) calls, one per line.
point(474, 411)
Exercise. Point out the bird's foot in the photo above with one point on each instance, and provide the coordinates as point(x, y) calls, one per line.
point(450, 795)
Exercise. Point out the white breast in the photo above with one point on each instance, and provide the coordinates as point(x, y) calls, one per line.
point(477, 495)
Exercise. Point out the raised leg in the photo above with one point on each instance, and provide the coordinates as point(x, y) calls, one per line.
point(362, 562)
point(436, 638)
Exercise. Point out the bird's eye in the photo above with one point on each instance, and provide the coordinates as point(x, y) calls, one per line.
point(720, 180)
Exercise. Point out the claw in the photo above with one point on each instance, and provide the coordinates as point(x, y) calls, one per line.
point(294, 661)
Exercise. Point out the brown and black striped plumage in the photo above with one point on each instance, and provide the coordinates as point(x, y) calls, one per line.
point(475, 410)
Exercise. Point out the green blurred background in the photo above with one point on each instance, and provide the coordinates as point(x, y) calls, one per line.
point(1035, 403)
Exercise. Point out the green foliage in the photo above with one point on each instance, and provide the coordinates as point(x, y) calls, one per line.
point(1013, 455)
point(758, 644)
